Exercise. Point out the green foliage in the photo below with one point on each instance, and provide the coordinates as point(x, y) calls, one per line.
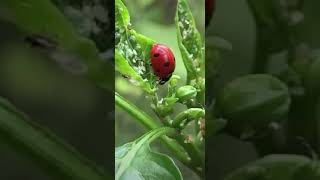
point(252, 102)
point(135, 160)
point(61, 37)
point(189, 39)
point(44, 148)
point(272, 167)
point(312, 82)
point(185, 93)
point(133, 61)
point(133, 47)
point(92, 19)
point(127, 71)
point(275, 105)
point(45, 28)
point(183, 118)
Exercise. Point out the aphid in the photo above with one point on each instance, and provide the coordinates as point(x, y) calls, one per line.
point(162, 62)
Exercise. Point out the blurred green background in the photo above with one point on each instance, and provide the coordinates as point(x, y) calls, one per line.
point(68, 104)
point(154, 19)
point(234, 22)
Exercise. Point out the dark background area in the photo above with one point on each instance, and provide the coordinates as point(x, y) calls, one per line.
point(234, 22)
point(68, 104)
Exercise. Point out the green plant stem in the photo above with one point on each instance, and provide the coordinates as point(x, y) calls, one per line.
point(183, 118)
point(138, 114)
point(44, 148)
point(181, 150)
point(197, 158)
point(150, 124)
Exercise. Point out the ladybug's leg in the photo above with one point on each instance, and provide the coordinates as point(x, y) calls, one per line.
point(162, 82)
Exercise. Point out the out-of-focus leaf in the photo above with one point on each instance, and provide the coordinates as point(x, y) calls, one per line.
point(93, 19)
point(252, 102)
point(219, 43)
point(135, 160)
point(46, 28)
point(271, 167)
point(44, 148)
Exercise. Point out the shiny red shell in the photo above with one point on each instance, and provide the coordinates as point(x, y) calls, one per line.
point(163, 62)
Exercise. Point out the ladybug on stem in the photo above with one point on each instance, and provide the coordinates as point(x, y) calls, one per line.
point(163, 62)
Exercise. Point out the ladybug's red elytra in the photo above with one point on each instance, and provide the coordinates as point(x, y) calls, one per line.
point(163, 62)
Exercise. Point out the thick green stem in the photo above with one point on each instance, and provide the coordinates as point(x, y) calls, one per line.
point(150, 124)
point(196, 156)
point(139, 115)
point(183, 118)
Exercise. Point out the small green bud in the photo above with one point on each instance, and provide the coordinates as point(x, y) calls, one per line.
point(173, 84)
point(183, 118)
point(253, 102)
point(185, 93)
point(174, 80)
point(165, 106)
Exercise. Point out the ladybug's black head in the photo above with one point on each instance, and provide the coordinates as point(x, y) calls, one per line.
point(164, 80)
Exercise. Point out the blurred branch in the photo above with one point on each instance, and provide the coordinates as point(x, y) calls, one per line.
point(44, 148)
point(52, 32)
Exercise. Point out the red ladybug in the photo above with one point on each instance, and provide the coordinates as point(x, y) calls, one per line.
point(163, 62)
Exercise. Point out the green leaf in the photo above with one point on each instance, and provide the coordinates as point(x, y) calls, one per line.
point(126, 70)
point(189, 40)
point(274, 21)
point(150, 124)
point(218, 43)
point(43, 147)
point(253, 102)
point(214, 125)
point(134, 47)
point(309, 171)
point(136, 160)
point(122, 14)
point(42, 21)
point(91, 20)
point(282, 167)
